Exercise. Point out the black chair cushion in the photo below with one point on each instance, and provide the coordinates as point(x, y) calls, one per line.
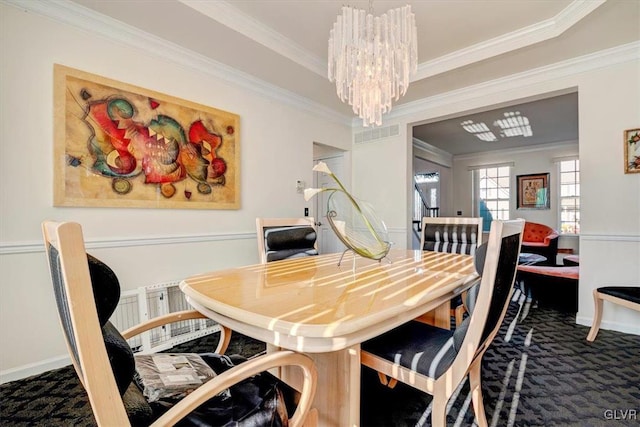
point(120, 357)
point(138, 409)
point(629, 293)
point(261, 400)
point(106, 293)
point(294, 237)
point(289, 242)
point(479, 258)
point(290, 253)
point(106, 288)
point(418, 346)
point(452, 238)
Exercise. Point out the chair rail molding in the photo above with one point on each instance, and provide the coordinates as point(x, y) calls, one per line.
point(610, 237)
point(37, 246)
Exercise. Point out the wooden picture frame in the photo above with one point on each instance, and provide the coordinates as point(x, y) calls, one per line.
point(533, 191)
point(632, 150)
point(119, 145)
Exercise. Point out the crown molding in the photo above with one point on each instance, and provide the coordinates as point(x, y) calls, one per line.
point(73, 14)
point(604, 58)
point(520, 150)
point(518, 39)
point(444, 156)
point(226, 14)
point(232, 17)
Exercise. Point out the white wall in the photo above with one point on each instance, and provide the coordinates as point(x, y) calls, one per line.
point(381, 175)
point(608, 84)
point(144, 246)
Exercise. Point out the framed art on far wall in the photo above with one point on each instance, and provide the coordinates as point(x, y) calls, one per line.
point(119, 145)
point(533, 191)
point(632, 151)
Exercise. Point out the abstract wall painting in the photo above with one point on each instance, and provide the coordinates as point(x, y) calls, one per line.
point(118, 145)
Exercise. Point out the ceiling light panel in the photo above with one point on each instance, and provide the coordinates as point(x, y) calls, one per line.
point(480, 130)
point(514, 124)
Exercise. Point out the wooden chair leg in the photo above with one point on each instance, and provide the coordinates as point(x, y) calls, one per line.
point(476, 393)
point(597, 316)
point(439, 411)
point(459, 314)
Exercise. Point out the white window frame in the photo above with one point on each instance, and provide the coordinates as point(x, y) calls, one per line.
point(568, 191)
point(500, 205)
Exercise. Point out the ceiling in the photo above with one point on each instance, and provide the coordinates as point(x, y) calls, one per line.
point(461, 43)
point(551, 120)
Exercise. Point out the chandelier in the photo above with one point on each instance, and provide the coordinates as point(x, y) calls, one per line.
point(372, 58)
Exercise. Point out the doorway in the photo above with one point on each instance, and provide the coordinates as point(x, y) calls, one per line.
point(334, 158)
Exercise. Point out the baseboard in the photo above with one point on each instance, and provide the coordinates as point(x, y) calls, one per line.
point(36, 368)
point(627, 328)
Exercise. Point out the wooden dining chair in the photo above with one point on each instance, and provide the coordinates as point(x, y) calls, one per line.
point(624, 296)
point(436, 360)
point(283, 238)
point(459, 235)
point(87, 292)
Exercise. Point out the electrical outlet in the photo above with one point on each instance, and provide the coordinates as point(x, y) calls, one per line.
point(306, 211)
point(459, 213)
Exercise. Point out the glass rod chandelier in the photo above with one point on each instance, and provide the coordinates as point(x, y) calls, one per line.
point(371, 59)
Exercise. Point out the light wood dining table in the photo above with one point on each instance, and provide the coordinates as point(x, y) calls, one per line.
point(314, 306)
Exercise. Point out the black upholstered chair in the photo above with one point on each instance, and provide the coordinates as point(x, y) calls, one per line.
point(459, 235)
point(436, 360)
point(87, 292)
point(625, 296)
point(284, 238)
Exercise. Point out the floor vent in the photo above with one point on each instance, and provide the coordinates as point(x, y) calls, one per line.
point(149, 302)
point(375, 134)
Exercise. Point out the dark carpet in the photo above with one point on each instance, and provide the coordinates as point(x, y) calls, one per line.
point(540, 371)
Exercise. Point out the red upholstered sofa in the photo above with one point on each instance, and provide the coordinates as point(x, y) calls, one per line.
point(542, 240)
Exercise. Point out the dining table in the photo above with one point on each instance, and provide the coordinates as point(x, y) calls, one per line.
point(325, 308)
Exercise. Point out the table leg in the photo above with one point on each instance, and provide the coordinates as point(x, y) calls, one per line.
point(440, 316)
point(338, 394)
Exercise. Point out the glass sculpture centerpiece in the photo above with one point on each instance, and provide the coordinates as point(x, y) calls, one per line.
point(354, 221)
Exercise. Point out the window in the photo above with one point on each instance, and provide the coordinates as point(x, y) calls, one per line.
point(569, 196)
point(492, 193)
